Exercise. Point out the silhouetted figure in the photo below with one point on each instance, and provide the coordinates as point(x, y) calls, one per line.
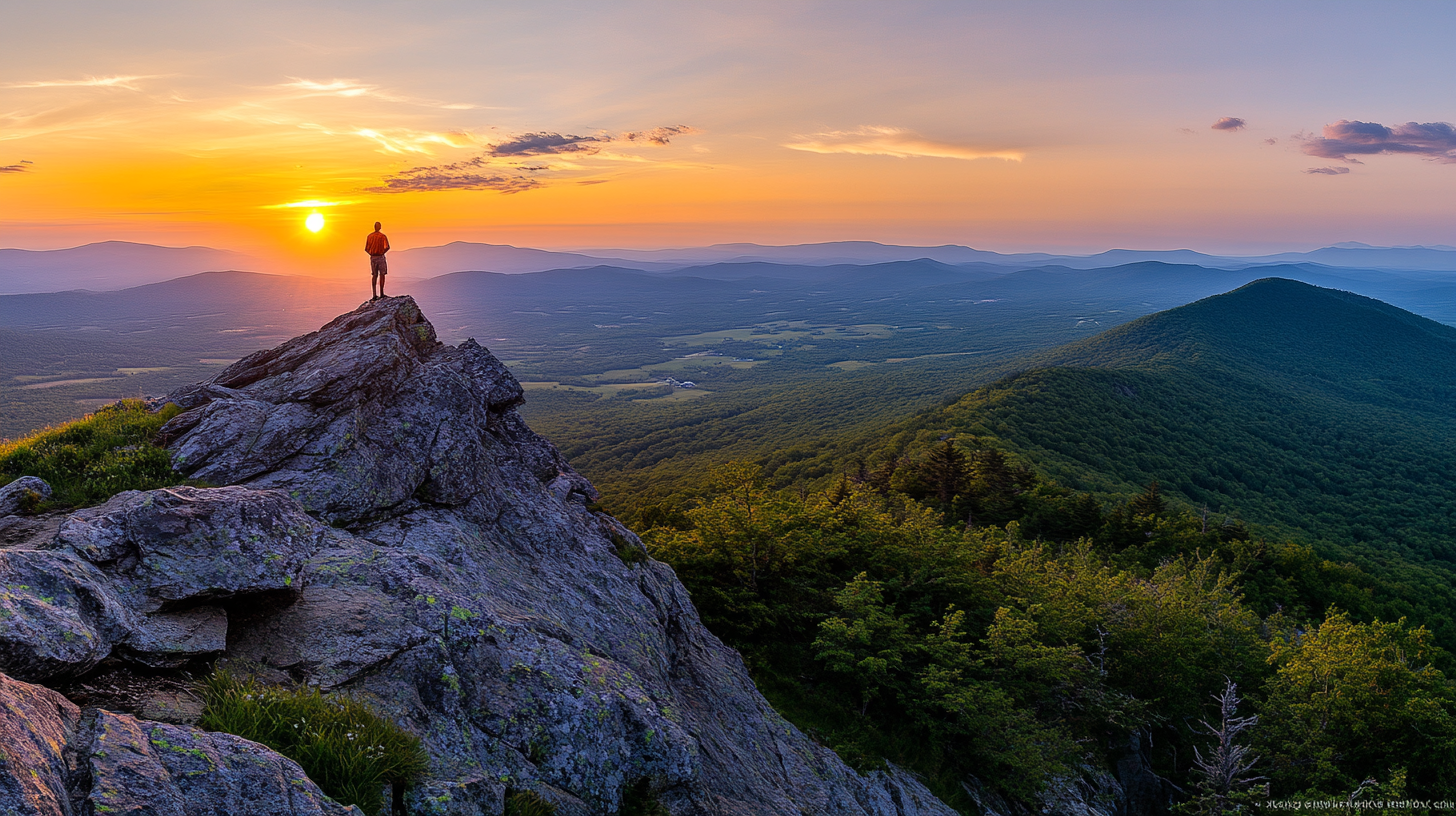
point(376, 245)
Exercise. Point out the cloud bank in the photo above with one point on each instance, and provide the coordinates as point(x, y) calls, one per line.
point(1229, 123)
point(1346, 139)
point(872, 140)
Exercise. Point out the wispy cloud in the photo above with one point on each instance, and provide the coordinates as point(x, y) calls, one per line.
point(130, 83)
point(517, 163)
point(354, 89)
point(1328, 171)
point(311, 204)
point(23, 167)
point(1346, 139)
point(1229, 123)
point(337, 87)
point(414, 141)
point(544, 144)
point(873, 140)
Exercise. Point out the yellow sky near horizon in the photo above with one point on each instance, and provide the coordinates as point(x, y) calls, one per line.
point(650, 124)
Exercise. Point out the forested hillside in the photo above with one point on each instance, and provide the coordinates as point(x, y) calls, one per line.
point(1090, 574)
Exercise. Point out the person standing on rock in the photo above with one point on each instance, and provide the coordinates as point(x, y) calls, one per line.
point(376, 245)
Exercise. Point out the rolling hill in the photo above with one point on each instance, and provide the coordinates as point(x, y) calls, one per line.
point(1312, 410)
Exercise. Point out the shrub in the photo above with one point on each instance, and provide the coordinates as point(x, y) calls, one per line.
point(342, 743)
point(629, 553)
point(92, 459)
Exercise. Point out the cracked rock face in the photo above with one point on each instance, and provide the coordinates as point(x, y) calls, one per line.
point(394, 530)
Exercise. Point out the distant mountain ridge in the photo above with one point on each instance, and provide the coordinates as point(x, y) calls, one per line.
point(110, 265)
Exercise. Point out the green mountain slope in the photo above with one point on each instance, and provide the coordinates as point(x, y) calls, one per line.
point(1302, 408)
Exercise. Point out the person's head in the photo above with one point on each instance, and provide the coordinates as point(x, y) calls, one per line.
point(377, 226)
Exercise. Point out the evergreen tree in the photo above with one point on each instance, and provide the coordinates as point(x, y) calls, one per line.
point(1150, 502)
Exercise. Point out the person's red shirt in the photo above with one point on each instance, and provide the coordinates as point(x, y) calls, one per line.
point(376, 244)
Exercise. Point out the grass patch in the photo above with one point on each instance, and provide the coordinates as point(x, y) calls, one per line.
point(527, 803)
point(92, 459)
point(342, 743)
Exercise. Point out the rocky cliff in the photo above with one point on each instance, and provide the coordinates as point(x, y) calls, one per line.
point(389, 527)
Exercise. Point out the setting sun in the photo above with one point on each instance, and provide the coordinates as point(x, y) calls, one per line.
point(314, 222)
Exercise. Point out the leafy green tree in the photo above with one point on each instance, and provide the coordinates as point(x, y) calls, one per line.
point(870, 644)
point(1349, 701)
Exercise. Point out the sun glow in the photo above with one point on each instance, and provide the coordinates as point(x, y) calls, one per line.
point(314, 222)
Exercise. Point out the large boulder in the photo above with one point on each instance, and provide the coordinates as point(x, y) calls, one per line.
point(147, 576)
point(17, 494)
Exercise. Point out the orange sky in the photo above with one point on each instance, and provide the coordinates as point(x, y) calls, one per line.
point(1008, 126)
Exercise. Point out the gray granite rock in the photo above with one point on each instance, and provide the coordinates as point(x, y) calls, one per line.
point(144, 767)
point(56, 760)
point(140, 577)
point(14, 495)
point(37, 727)
point(59, 615)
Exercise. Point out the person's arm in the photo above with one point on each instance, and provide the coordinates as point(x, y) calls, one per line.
point(386, 242)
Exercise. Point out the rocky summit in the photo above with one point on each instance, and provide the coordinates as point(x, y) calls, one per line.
point(387, 526)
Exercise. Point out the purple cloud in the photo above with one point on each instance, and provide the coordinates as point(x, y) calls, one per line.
point(540, 144)
point(1229, 123)
point(23, 167)
point(1328, 171)
point(1345, 139)
point(500, 167)
point(544, 144)
point(1271, 141)
point(658, 135)
point(471, 174)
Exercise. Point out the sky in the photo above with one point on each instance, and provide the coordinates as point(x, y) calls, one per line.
point(1025, 125)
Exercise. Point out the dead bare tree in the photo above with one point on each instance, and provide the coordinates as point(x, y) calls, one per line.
point(1225, 770)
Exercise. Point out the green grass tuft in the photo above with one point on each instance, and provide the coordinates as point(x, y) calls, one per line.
point(92, 459)
point(527, 803)
point(342, 743)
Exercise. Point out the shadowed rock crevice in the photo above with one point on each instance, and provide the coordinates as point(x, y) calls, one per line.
point(392, 528)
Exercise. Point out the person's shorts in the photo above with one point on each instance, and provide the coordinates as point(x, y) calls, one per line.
point(377, 266)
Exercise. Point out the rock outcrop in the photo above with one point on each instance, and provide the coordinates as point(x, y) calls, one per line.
point(393, 529)
point(58, 761)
